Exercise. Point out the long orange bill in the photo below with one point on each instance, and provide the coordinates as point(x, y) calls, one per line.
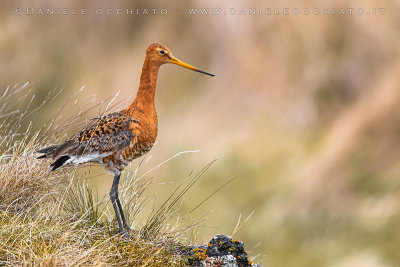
point(178, 62)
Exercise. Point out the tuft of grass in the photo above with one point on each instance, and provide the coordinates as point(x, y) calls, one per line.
point(49, 219)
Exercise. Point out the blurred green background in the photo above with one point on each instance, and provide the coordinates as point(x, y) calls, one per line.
point(304, 109)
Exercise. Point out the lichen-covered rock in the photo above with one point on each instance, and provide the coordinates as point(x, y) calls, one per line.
point(221, 251)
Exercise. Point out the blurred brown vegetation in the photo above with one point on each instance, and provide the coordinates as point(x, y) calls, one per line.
point(305, 110)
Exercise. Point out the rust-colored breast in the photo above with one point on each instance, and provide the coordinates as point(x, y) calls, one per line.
point(144, 131)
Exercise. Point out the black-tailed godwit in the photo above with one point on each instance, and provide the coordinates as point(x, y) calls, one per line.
point(115, 139)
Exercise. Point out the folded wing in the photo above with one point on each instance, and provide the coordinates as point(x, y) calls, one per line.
point(106, 135)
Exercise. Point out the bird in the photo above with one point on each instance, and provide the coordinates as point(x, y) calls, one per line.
point(114, 140)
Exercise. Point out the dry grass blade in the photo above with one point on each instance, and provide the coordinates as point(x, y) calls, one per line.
point(158, 219)
point(82, 203)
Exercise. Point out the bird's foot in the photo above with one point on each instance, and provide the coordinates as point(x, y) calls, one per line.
point(124, 233)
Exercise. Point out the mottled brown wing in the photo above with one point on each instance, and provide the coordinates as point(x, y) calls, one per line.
point(105, 136)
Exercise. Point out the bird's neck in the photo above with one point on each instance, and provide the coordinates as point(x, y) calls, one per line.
point(144, 101)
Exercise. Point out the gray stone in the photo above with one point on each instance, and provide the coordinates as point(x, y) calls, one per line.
point(221, 251)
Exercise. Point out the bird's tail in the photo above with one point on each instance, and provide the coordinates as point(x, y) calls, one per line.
point(47, 152)
point(57, 153)
point(59, 162)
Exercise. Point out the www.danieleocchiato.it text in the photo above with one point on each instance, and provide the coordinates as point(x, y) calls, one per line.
point(285, 11)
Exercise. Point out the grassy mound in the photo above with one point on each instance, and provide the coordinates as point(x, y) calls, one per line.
point(50, 219)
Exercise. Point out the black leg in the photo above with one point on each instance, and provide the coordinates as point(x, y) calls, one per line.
point(122, 216)
point(115, 202)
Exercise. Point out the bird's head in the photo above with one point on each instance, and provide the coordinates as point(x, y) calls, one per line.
point(160, 54)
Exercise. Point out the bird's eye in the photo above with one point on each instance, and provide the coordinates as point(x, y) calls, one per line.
point(162, 52)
